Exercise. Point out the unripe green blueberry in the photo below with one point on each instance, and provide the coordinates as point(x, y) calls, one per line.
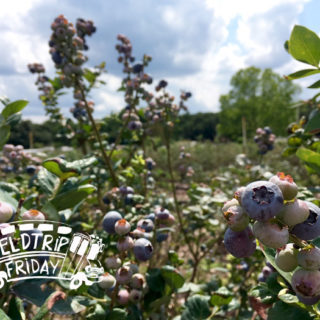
point(6, 211)
point(286, 184)
point(271, 234)
point(306, 283)
point(33, 214)
point(236, 218)
point(135, 295)
point(125, 244)
point(309, 258)
point(122, 227)
point(228, 204)
point(113, 262)
point(123, 275)
point(137, 281)
point(294, 212)
point(107, 281)
point(238, 194)
point(286, 258)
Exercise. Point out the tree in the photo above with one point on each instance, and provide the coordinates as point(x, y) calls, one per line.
point(262, 97)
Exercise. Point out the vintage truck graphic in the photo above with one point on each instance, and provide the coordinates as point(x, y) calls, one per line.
point(47, 249)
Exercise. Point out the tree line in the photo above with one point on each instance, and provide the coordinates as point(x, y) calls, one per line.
point(258, 97)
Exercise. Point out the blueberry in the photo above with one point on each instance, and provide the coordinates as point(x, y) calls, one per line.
point(161, 236)
point(308, 300)
point(262, 200)
point(107, 281)
point(267, 130)
point(125, 244)
point(142, 249)
point(31, 169)
point(306, 283)
point(261, 277)
point(123, 297)
point(56, 57)
point(122, 227)
point(309, 258)
point(271, 234)
point(135, 295)
point(294, 212)
point(112, 262)
point(286, 258)
point(236, 218)
point(110, 220)
point(123, 275)
point(146, 224)
point(286, 184)
point(33, 214)
point(151, 216)
point(310, 228)
point(6, 211)
point(137, 281)
point(240, 243)
point(137, 68)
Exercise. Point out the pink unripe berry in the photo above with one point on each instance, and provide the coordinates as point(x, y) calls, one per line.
point(135, 295)
point(286, 184)
point(33, 214)
point(122, 227)
point(125, 244)
point(123, 296)
point(113, 263)
point(137, 281)
point(123, 275)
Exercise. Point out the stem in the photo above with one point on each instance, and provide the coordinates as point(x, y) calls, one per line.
point(167, 142)
point(98, 137)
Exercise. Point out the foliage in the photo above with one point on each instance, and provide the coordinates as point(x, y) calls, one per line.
point(257, 96)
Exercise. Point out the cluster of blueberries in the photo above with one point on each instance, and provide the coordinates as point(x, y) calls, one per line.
point(137, 242)
point(264, 138)
point(15, 159)
point(280, 221)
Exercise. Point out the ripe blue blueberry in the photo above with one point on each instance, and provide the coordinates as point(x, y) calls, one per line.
point(262, 200)
point(142, 249)
point(240, 243)
point(110, 220)
point(310, 228)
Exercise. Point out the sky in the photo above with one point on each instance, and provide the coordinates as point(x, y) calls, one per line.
point(196, 45)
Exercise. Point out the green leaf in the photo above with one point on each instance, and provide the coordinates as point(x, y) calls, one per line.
point(13, 107)
point(60, 168)
point(155, 281)
point(287, 297)
point(4, 134)
point(117, 314)
point(269, 253)
point(197, 307)
point(262, 292)
point(281, 310)
point(51, 212)
point(304, 45)
point(172, 276)
point(302, 73)
point(3, 315)
point(221, 297)
point(32, 291)
point(83, 163)
point(313, 124)
point(311, 158)
point(315, 85)
point(9, 187)
point(16, 309)
point(48, 182)
point(72, 197)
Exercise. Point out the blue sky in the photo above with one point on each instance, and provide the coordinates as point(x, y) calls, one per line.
point(196, 45)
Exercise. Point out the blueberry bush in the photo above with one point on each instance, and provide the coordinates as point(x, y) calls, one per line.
point(168, 252)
